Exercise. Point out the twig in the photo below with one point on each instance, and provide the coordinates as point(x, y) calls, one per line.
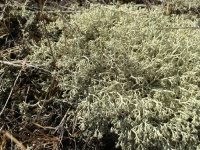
point(60, 128)
point(27, 93)
point(15, 140)
point(147, 5)
point(40, 126)
point(62, 11)
point(62, 122)
point(18, 63)
point(128, 12)
point(76, 119)
point(23, 65)
point(178, 28)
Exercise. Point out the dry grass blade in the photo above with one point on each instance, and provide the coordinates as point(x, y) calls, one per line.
point(167, 9)
point(14, 140)
point(3, 35)
point(3, 142)
point(40, 126)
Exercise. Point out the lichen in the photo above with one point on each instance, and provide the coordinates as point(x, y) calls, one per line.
point(120, 71)
point(140, 82)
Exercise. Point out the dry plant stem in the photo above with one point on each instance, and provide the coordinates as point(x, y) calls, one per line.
point(61, 12)
point(52, 88)
point(47, 96)
point(51, 50)
point(43, 138)
point(41, 7)
point(45, 29)
point(9, 20)
point(3, 142)
point(15, 140)
point(23, 65)
point(60, 127)
point(147, 5)
point(24, 128)
point(62, 121)
point(27, 94)
point(76, 119)
point(40, 126)
point(18, 63)
point(178, 28)
point(64, 30)
point(127, 12)
point(69, 44)
point(38, 138)
point(3, 35)
point(167, 9)
point(38, 116)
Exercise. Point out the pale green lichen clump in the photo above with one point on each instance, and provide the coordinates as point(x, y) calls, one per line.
point(131, 78)
point(125, 75)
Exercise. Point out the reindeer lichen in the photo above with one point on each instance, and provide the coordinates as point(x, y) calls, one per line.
point(132, 78)
point(120, 72)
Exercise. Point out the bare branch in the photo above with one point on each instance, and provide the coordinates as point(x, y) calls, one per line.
point(18, 63)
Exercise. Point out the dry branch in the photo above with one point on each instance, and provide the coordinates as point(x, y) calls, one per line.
point(18, 63)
